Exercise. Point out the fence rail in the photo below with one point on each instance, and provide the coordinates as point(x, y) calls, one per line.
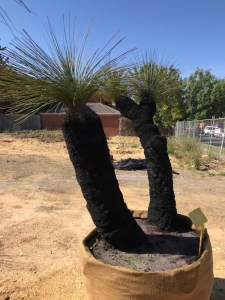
point(8, 122)
point(213, 136)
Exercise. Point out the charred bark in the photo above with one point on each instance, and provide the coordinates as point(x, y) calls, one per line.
point(89, 154)
point(162, 211)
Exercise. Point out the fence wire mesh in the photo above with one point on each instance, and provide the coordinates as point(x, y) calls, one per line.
point(210, 132)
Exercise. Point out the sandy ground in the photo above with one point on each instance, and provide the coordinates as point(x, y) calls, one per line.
point(43, 216)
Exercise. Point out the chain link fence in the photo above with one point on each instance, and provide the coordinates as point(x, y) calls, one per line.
point(210, 132)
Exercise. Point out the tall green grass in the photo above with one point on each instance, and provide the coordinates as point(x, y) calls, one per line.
point(188, 148)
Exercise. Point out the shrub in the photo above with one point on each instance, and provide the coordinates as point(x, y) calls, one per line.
point(187, 148)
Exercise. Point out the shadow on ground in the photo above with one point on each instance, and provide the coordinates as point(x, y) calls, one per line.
point(218, 292)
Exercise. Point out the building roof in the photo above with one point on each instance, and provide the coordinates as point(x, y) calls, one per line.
point(99, 108)
point(102, 109)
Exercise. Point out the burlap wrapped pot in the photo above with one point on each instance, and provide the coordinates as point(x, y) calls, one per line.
point(106, 282)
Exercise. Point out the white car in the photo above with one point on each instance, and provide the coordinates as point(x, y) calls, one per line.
point(209, 130)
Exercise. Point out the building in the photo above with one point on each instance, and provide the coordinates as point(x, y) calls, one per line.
point(109, 116)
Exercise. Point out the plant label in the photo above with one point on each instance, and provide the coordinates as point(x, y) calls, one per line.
point(197, 217)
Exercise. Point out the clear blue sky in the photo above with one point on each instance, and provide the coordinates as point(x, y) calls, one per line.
point(191, 32)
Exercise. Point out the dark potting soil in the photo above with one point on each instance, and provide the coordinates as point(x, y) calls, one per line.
point(161, 251)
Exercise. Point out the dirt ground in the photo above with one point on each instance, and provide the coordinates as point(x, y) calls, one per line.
point(43, 215)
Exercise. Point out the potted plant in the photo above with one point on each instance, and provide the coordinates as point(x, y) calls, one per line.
point(149, 83)
point(68, 75)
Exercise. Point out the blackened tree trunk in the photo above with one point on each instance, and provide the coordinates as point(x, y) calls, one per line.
point(162, 211)
point(89, 154)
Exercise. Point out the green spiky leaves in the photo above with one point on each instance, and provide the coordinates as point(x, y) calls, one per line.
point(152, 79)
point(68, 74)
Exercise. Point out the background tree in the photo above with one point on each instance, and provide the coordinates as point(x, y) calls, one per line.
point(198, 95)
point(218, 99)
point(2, 59)
point(171, 108)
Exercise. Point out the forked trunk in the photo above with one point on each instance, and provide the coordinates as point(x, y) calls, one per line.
point(162, 211)
point(89, 154)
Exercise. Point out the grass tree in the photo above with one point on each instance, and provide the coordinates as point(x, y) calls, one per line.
point(5, 19)
point(152, 82)
point(70, 75)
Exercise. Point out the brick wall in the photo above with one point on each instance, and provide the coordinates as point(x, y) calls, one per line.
point(110, 124)
point(51, 121)
point(54, 121)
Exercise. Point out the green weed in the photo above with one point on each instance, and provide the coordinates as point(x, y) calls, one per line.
point(221, 174)
point(130, 262)
point(134, 146)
